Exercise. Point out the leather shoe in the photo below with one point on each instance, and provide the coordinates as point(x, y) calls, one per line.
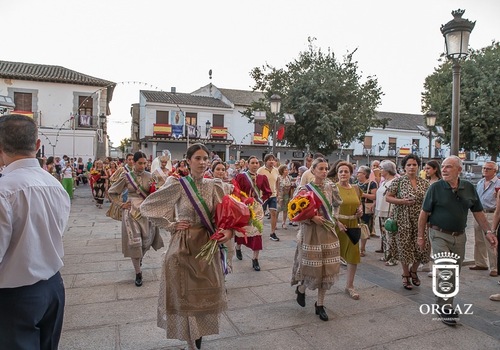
point(138, 279)
point(255, 264)
point(475, 267)
point(493, 273)
point(448, 318)
point(238, 254)
point(198, 343)
point(301, 297)
point(495, 297)
point(320, 311)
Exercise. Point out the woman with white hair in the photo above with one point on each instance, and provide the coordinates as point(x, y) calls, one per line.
point(161, 168)
point(382, 211)
point(161, 173)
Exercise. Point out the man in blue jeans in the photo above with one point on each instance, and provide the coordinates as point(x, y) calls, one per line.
point(34, 212)
point(444, 210)
point(272, 175)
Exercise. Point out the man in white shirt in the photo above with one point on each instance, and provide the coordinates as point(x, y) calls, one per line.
point(484, 255)
point(308, 175)
point(34, 212)
point(272, 175)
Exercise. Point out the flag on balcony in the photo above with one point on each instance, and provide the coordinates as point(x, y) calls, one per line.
point(265, 131)
point(403, 151)
point(281, 133)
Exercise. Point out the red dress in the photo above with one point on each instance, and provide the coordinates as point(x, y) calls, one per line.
point(253, 238)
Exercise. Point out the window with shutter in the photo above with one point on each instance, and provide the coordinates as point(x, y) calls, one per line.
point(23, 101)
point(162, 117)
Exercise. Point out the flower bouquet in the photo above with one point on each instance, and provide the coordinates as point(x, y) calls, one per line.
point(250, 203)
point(304, 206)
point(95, 175)
point(230, 214)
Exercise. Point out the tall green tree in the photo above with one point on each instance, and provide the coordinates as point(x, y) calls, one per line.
point(124, 144)
point(479, 100)
point(331, 103)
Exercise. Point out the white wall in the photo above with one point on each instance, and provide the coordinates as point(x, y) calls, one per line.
point(81, 143)
point(54, 101)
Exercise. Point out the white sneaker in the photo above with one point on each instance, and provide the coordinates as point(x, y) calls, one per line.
point(495, 297)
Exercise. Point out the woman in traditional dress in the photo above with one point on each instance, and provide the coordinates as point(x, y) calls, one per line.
point(192, 292)
point(256, 186)
point(349, 212)
point(317, 257)
point(182, 168)
point(219, 171)
point(138, 234)
point(161, 173)
point(407, 194)
point(99, 180)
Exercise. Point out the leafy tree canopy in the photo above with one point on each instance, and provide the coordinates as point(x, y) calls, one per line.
point(479, 99)
point(124, 144)
point(330, 103)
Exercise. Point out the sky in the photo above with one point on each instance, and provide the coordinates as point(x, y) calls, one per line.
point(164, 44)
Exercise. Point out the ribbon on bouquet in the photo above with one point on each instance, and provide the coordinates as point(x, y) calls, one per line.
point(205, 215)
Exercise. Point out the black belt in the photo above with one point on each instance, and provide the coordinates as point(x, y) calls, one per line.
point(453, 233)
point(489, 210)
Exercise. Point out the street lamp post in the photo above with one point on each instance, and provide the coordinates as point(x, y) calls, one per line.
point(430, 121)
point(101, 137)
point(275, 102)
point(456, 37)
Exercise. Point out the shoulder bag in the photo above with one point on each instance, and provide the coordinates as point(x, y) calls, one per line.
point(390, 223)
point(369, 207)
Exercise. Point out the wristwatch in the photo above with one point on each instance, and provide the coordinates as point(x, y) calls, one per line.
point(489, 231)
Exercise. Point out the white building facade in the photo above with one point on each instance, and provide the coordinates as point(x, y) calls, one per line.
point(65, 104)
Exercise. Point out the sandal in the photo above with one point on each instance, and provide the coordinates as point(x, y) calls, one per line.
point(362, 253)
point(415, 280)
point(283, 226)
point(352, 293)
point(406, 282)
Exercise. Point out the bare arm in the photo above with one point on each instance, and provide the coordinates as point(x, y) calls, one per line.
point(422, 223)
point(496, 215)
point(485, 226)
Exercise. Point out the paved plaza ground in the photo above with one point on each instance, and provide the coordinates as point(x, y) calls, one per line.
point(105, 311)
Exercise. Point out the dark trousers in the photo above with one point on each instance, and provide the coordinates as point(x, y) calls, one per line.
point(31, 317)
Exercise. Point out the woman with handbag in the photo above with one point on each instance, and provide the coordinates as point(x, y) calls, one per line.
point(317, 257)
point(383, 211)
point(368, 194)
point(407, 194)
point(192, 291)
point(349, 233)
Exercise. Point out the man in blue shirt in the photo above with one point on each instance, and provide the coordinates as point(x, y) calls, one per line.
point(484, 256)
